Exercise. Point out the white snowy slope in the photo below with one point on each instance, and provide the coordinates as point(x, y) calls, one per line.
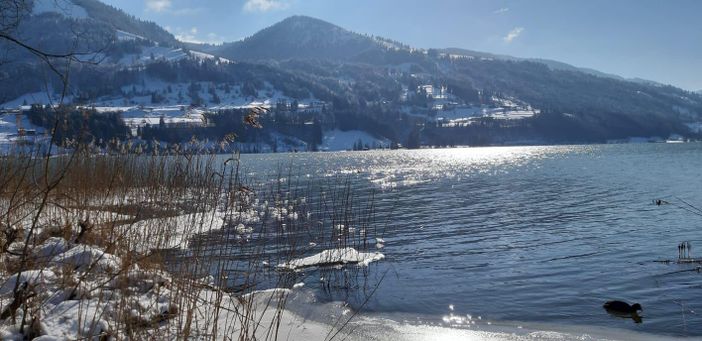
point(64, 7)
point(10, 128)
point(40, 97)
point(122, 36)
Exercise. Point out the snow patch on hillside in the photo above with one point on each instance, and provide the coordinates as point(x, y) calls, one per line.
point(460, 112)
point(153, 53)
point(126, 36)
point(461, 116)
point(63, 7)
point(40, 97)
point(206, 56)
point(214, 96)
point(14, 130)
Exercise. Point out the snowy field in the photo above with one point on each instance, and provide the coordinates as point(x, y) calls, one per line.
point(465, 116)
point(459, 115)
point(10, 131)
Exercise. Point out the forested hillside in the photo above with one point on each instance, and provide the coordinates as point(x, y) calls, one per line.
point(307, 71)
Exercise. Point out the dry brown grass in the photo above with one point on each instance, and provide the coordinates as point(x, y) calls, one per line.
point(144, 209)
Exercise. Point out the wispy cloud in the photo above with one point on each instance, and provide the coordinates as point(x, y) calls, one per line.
point(192, 36)
point(513, 34)
point(502, 10)
point(265, 5)
point(158, 5)
point(166, 6)
point(188, 36)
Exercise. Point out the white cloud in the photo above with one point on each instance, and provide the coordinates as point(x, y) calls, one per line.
point(165, 6)
point(513, 34)
point(502, 10)
point(158, 5)
point(264, 5)
point(191, 36)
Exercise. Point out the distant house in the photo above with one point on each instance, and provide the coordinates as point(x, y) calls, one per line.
point(428, 89)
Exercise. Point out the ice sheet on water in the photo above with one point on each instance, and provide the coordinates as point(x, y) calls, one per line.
point(334, 257)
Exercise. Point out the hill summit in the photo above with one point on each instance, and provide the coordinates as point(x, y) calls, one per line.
point(301, 37)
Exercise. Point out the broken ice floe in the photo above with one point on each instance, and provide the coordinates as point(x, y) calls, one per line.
point(333, 257)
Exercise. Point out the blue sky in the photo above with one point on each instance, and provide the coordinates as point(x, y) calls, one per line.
point(659, 40)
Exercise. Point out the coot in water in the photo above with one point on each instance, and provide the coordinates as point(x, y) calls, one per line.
point(624, 310)
point(622, 307)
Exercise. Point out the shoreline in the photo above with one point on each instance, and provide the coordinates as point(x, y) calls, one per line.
point(416, 326)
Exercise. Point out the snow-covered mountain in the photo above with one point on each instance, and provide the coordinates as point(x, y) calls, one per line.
point(311, 73)
point(100, 13)
point(105, 38)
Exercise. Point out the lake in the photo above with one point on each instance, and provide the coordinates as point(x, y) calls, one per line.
point(542, 234)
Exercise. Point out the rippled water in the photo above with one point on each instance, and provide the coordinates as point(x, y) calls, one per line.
point(533, 234)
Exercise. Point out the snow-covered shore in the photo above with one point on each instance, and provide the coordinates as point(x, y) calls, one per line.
point(81, 291)
point(75, 287)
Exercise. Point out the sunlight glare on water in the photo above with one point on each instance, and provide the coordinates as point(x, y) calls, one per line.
point(532, 234)
point(425, 165)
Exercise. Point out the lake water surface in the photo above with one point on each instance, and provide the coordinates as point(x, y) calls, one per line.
point(530, 234)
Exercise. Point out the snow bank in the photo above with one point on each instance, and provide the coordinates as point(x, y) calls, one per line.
point(170, 232)
point(31, 277)
point(254, 317)
point(50, 248)
point(334, 257)
point(83, 257)
point(54, 216)
point(74, 318)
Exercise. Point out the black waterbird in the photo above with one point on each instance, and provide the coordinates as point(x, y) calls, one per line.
point(624, 310)
point(622, 307)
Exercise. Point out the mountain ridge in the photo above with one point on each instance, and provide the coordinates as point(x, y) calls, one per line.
point(242, 49)
point(299, 37)
point(311, 72)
